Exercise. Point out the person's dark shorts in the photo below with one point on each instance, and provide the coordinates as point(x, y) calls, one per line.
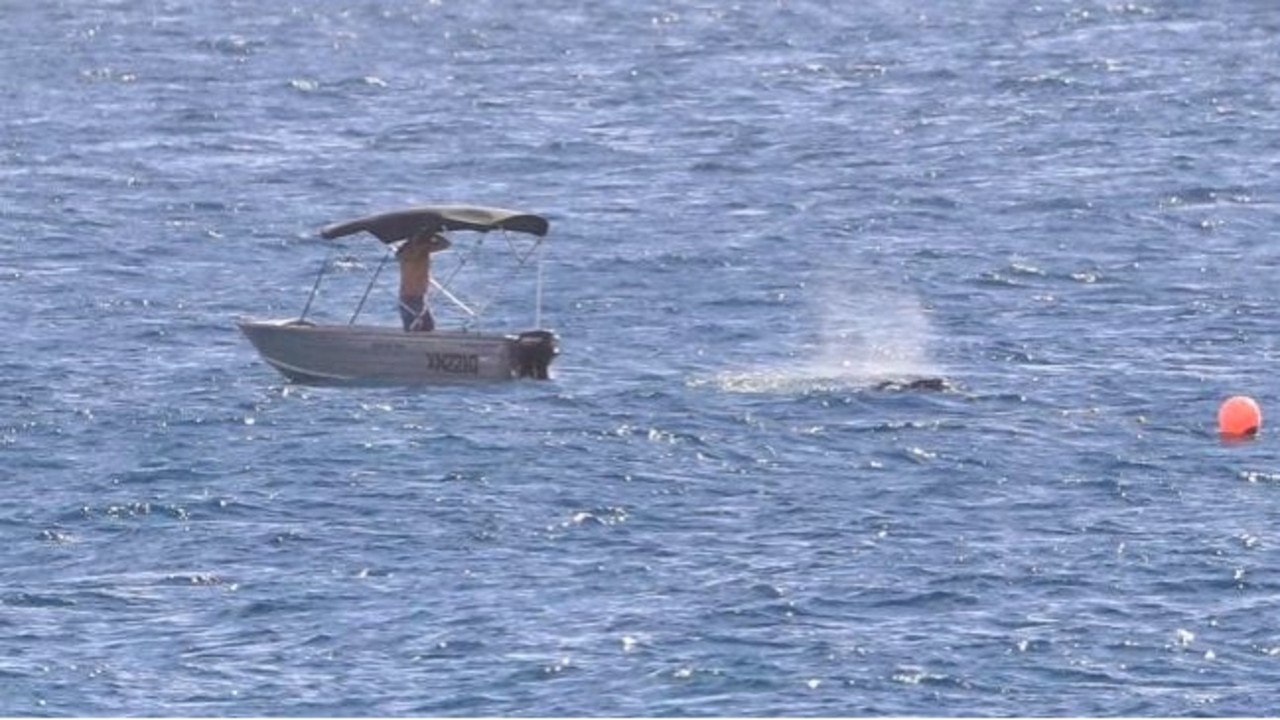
point(415, 316)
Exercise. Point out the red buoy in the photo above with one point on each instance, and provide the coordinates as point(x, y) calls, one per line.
point(1239, 417)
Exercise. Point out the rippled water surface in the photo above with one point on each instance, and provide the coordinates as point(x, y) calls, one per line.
point(760, 213)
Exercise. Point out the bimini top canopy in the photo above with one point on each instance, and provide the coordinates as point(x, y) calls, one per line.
point(403, 224)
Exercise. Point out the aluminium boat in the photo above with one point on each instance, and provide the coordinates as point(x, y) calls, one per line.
point(354, 354)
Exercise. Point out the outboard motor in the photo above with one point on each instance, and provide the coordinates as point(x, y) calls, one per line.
point(535, 350)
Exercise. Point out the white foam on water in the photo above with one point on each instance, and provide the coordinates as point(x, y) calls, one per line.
point(862, 337)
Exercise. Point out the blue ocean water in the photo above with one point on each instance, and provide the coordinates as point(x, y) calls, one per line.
point(1068, 209)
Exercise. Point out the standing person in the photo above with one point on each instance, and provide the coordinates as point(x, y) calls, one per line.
point(415, 278)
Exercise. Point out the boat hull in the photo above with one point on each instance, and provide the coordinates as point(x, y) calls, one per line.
point(363, 355)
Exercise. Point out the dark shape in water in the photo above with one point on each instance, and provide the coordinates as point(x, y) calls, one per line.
point(931, 384)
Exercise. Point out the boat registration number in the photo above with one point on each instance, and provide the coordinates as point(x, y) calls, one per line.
point(457, 363)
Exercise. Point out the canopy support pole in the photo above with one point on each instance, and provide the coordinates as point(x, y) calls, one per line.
point(369, 287)
point(315, 287)
point(453, 298)
point(537, 299)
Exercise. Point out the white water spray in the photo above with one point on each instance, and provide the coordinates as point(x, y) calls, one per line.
point(860, 338)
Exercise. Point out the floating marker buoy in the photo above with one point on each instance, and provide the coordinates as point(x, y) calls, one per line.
point(1239, 416)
